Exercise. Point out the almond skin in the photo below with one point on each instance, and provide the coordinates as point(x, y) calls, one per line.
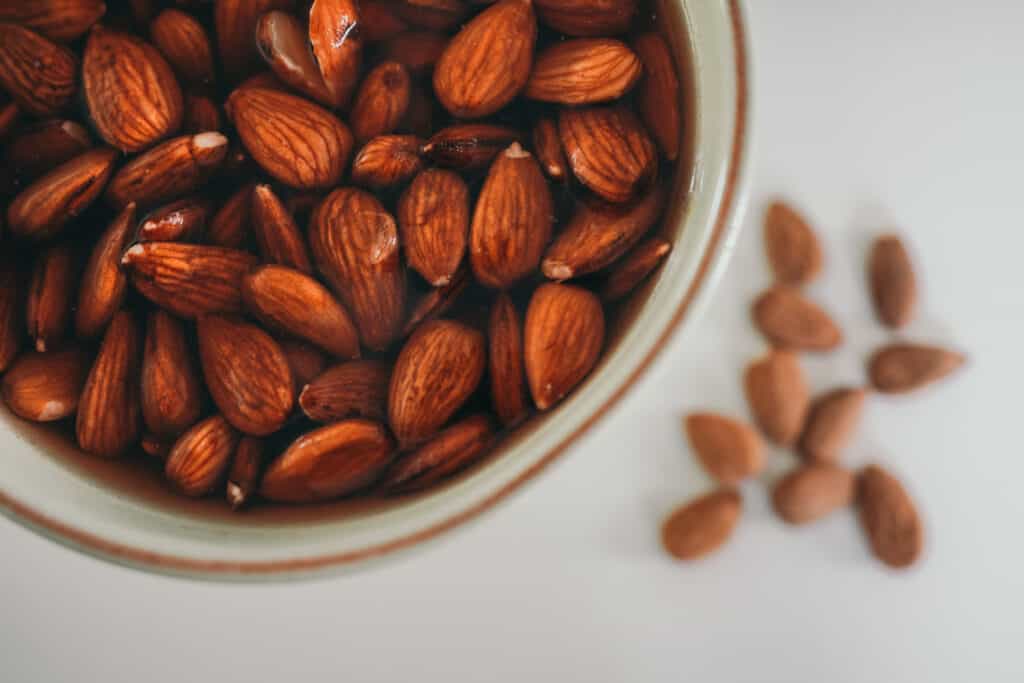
point(229, 227)
point(789, 320)
point(40, 76)
point(183, 220)
point(305, 360)
point(488, 62)
point(813, 491)
point(168, 171)
point(548, 148)
point(247, 374)
point(329, 462)
point(433, 216)
point(436, 371)
point(417, 50)
point(507, 373)
point(172, 393)
point(889, 518)
point(892, 280)
point(512, 220)
point(468, 146)
point(701, 526)
point(381, 101)
point(609, 150)
point(283, 43)
point(831, 423)
point(183, 41)
point(583, 71)
point(277, 235)
point(447, 453)
point(202, 114)
point(634, 268)
point(792, 247)
point(658, 95)
point(337, 45)
point(130, 90)
point(378, 21)
point(387, 160)
point(104, 284)
point(42, 147)
point(198, 460)
point(12, 303)
point(587, 17)
point(60, 20)
point(778, 396)
point(235, 26)
point(563, 338)
point(729, 450)
point(48, 305)
point(437, 301)
point(44, 387)
point(246, 471)
point(353, 389)
point(901, 368)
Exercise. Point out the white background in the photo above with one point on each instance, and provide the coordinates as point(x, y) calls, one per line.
point(871, 115)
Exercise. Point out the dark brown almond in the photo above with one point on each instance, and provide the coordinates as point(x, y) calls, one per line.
point(437, 301)
point(703, 525)
point(791, 245)
point(387, 160)
point(168, 171)
point(183, 41)
point(381, 101)
point(659, 93)
point(44, 146)
point(417, 50)
point(245, 472)
point(901, 368)
point(9, 115)
point(61, 20)
point(284, 45)
point(889, 518)
point(12, 302)
point(50, 291)
point(813, 491)
point(40, 76)
point(892, 280)
point(172, 393)
point(305, 360)
point(104, 284)
point(467, 146)
point(265, 80)
point(420, 114)
point(790, 320)
point(609, 150)
point(563, 338)
point(201, 114)
point(548, 148)
point(433, 216)
point(198, 460)
point(229, 227)
point(183, 220)
point(447, 453)
point(508, 377)
point(728, 449)
point(277, 235)
point(583, 71)
point(831, 423)
point(45, 387)
point(329, 462)
point(634, 268)
point(439, 15)
point(587, 17)
point(337, 45)
point(778, 396)
point(378, 21)
point(357, 388)
point(155, 447)
point(235, 27)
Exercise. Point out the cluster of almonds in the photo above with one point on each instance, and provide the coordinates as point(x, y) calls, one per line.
point(779, 399)
point(385, 163)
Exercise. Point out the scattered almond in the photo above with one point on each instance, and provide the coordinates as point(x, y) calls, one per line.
point(813, 491)
point(778, 396)
point(889, 518)
point(790, 320)
point(792, 247)
point(893, 285)
point(901, 368)
point(831, 422)
point(728, 449)
point(701, 526)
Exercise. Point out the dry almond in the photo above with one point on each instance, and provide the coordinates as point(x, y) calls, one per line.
point(199, 459)
point(168, 171)
point(508, 377)
point(235, 26)
point(183, 220)
point(889, 518)
point(381, 101)
point(488, 62)
point(284, 44)
point(277, 235)
point(511, 221)
point(337, 45)
point(609, 150)
point(436, 371)
point(329, 462)
point(439, 15)
point(900, 368)
point(437, 301)
point(357, 388)
point(448, 452)
point(792, 247)
point(658, 95)
point(40, 148)
point(172, 394)
point(11, 312)
point(387, 160)
point(548, 148)
point(48, 306)
point(354, 243)
point(634, 268)
point(103, 284)
point(109, 420)
point(433, 216)
point(188, 279)
point(40, 76)
point(563, 338)
point(229, 227)
point(587, 17)
point(583, 71)
point(45, 387)
point(183, 41)
point(701, 526)
point(778, 396)
point(130, 90)
point(201, 114)
point(468, 146)
point(832, 420)
point(790, 320)
point(813, 491)
point(728, 449)
point(305, 360)
point(893, 285)
point(417, 50)
point(246, 468)
point(61, 20)
point(378, 21)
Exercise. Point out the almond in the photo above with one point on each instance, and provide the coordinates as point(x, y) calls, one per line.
point(229, 227)
point(900, 368)
point(728, 449)
point(512, 220)
point(172, 393)
point(488, 62)
point(201, 114)
point(169, 170)
point(354, 243)
point(583, 71)
point(41, 147)
point(188, 279)
point(778, 396)
point(246, 468)
point(599, 234)
point(277, 235)
point(265, 80)
point(198, 460)
point(378, 21)
point(283, 43)
point(792, 247)
point(109, 421)
point(439, 15)
point(813, 491)
point(130, 90)
point(609, 150)
point(40, 76)
point(48, 307)
point(893, 285)
point(235, 26)
point(183, 220)
point(11, 313)
point(329, 462)
point(508, 378)
point(437, 301)
point(357, 388)
point(436, 371)
point(155, 447)
point(563, 338)
point(548, 148)
point(447, 453)
point(381, 101)
point(659, 94)
point(468, 146)
point(587, 17)
point(387, 160)
point(297, 142)
point(61, 20)
point(433, 215)
point(337, 45)
point(417, 50)
point(305, 360)
point(634, 268)
point(103, 284)
point(701, 526)
point(889, 518)
point(832, 420)
point(45, 387)
point(790, 320)
point(183, 41)
point(247, 374)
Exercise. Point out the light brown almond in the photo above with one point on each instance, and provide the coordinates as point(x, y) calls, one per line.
point(103, 285)
point(548, 148)
point(790, 320)
point(387, 160)
point(728, 449)
point(337, 45)
point(587, 17)
point(172, 393)
point(634, 268)
point(583, 71)
point(892, 280)
point(45, 387)
point(778, 396)
point(437, 301)
point(40, 76)
point(508, 376)
point(901, 368)
point(183, 220)
point(791, 245)
point(439, 15)
point(183, 41)
point(284, 44)
point(246, 470)
point(60, 20)
point(417, 50)
point(229, 226)
point(659, 94)
point(450, 451)
point(200, 458)
point(202, 114)
point(378, 21)
point(889, 518)
point(354, 389)
point(235, 26)
point(43, 146)
point(168, 171)
point(831, 423)
point(468, 146)
point(609, 150)
point(381, 101)
point(277, 234)
point(433, 216)
point(12, 302)
point(813, 491)
point(703, 525)
point(50, 291)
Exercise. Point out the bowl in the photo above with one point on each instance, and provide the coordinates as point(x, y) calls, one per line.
point(124, 514)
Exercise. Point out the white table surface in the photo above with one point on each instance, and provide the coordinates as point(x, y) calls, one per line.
point(870, 115)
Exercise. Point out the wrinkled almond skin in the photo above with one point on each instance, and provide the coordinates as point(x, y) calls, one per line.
point(902, 368)
point(189, 279)
point(468, 146)
point(381, 101)
point(831, 423)
point(813, 491)
point(488, 62)
point(42, 147)
point(354, 389)
point(329, 462)
point(703, 525)
point(172, 393)
point(634, 268)
point(183, 220)
point(44, 387)
point(168, 171)
point(246, 470)
point(436, 371)
point(505, 362)
point(889, 518)
point(433, 216)
point(109, 418)
point(354, 243)
point(104, 284)
point(728, 449)
point(283, 43)
point(778, 396)
point(790, 320)
point(60, 20)
point(448, 452)
point(132, 95)
point(183, 41)
point(50, 291)
point(12, 304)
point(583, 71)
point(608, 150)
point(337, 45)
point(658, 94)
point(229, 227)
point(306, 361)
point(297, 142)
point(548, 148)
point(563, 338)
point(387, 160)
point(511, 221)
point(793, 250)
point(199, 459)
point(40, 76)
point(235, 24)
point(892, 280)
point(277, 235)
point(417, 50)
point(437, 301)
